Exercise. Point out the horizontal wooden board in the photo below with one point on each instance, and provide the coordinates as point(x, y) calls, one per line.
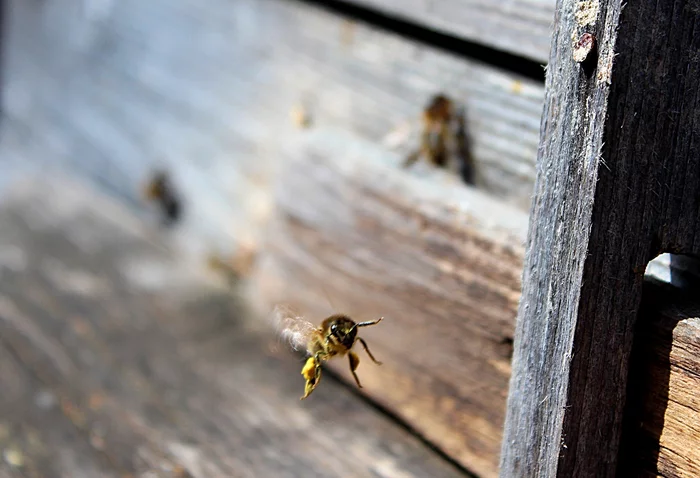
point(135, 365)
point(522, 27)
point(662, 435)
point(36, 438)
point(207, 89)
point(441, 262)
point(438, 260)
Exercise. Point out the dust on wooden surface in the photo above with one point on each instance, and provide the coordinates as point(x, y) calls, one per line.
point(113, 363)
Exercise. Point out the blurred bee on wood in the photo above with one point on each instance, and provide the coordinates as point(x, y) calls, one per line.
point(235, 267)
point(301, 117)
point(443, 140)
point(436, 134)
point(463, 153)
point(160, 190)
point(335, 336)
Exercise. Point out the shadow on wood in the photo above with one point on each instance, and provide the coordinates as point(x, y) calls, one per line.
point(662, 413)
point(647, 387)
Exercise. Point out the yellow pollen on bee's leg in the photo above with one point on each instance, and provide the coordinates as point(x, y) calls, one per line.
point(312, 374)
point(309, 369)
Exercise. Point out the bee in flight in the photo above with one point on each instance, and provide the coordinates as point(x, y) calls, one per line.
point(335, 336)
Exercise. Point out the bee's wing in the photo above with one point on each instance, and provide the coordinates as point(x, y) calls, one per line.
point(402, 135)
point(292, 328)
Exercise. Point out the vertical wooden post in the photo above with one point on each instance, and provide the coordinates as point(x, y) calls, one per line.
point(3, 54)
point(618, 182)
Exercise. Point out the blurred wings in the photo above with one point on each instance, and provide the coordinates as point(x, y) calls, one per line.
point(292, 328)
point(404, 135)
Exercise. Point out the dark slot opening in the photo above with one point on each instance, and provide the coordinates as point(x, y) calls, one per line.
point(420, 34)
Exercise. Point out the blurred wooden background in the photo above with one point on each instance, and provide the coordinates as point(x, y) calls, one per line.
point(105, 91)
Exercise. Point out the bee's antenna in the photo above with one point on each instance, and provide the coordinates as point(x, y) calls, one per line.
point(371, 322)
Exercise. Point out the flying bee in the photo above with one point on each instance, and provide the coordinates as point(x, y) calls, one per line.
point(443, 137)
point(335, 336)
point(160, 190)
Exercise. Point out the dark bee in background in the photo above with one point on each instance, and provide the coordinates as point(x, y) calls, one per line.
point(336, 336)
point(463, 153)
point(160, 190)
point(444, 141)
point(436, 133)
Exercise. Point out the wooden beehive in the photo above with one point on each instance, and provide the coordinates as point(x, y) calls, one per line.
point(273, 118)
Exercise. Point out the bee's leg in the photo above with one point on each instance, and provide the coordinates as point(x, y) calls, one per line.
point(427, 147)
point(440, 153)
point(411, 158)
point(364, 344)
point(311, 384)
point(452, 150)
point(354, 362)
point(309, 368)
point(312, 374)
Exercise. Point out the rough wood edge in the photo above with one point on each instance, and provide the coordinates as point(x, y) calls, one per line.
point(610, 168)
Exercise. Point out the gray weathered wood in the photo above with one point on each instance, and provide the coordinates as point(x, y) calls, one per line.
point(523, 27)
point(617, 184)
point(206, 89)
point(441, 262)
point(662, 419)
point(36, 438)
point(138, 366)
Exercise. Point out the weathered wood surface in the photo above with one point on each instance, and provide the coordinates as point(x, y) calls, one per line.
point(617, 184)
point(523, 27)
point(206, 89)
point(118, 359)
point(441, 262)
point(36, 437)
point(662, 419)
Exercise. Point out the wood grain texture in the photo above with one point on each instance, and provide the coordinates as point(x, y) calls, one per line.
point(523, 27)
point(661, 436)
point(36, 437)
point(617, 184)
point(137, 366)
point(206, 89)
point(440, 261)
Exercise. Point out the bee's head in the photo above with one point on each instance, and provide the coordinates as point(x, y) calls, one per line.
point(343, 328)
point(439, 108)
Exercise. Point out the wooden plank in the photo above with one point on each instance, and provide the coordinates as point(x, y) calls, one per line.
point(158, 370)
point(617, 184)
point(523, 27)
point(3, 48)
point(186, 84)
point(439, 261)
point(662, 432)
point(36, 438)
